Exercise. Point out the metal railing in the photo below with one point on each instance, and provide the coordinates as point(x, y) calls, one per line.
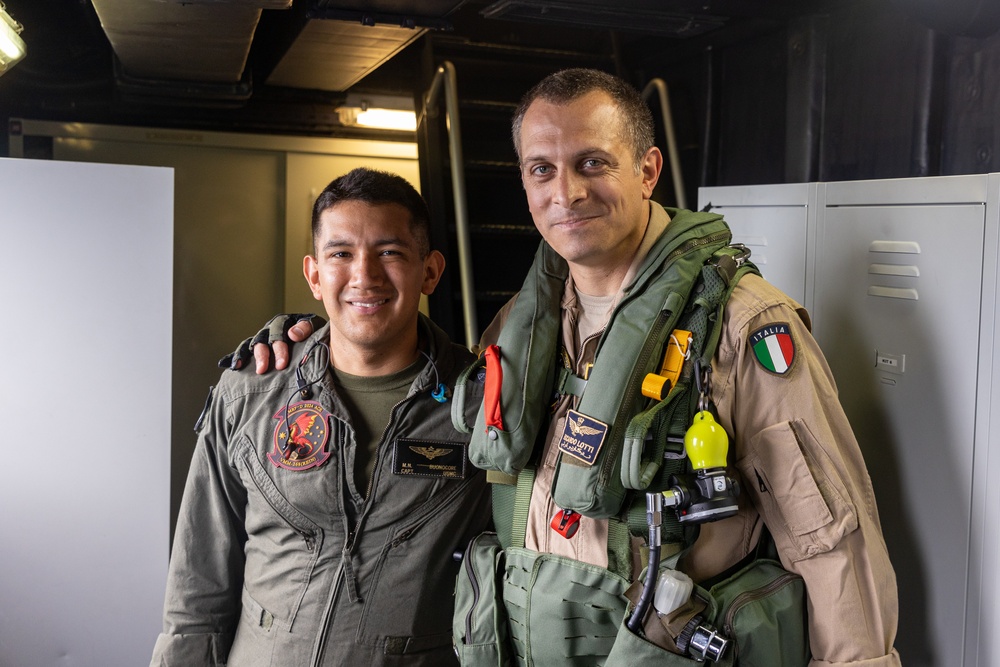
point(659, 86)
point(445, 78)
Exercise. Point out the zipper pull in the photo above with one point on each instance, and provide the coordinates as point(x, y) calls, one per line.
point(760, 482)
point(352, 580)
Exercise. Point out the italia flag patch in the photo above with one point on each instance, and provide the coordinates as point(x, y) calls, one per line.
point(773, 347)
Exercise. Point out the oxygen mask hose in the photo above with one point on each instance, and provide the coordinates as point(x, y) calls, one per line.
point(654, 519)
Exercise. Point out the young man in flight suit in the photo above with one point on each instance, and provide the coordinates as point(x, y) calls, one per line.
point(588, 164)
point(324, 502)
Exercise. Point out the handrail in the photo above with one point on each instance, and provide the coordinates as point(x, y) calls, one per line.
point(668, 127)
point(446, 75)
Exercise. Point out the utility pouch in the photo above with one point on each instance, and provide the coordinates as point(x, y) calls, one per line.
point(479, 624)
point(528, 342)
point(562, 611)
point(761, 609)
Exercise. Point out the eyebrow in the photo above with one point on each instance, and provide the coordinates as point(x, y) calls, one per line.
point(381, 243)
point(586, 152)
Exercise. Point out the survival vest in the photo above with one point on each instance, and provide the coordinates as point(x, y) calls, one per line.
point(613, 456)
point(513, 604)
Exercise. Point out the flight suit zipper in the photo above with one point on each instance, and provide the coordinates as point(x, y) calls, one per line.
point(300, 524)
point(345, 572)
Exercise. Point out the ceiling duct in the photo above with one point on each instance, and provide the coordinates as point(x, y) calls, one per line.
point(640, 16)
point(345, 40)
point(204, 42)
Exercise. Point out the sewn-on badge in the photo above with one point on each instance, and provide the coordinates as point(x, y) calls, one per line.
point(582, 437)
point(773, 347)
point(428, 458)
point(300, 441)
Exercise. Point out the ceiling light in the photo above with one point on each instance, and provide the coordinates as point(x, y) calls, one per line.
point(378, 111)
point(12, 48)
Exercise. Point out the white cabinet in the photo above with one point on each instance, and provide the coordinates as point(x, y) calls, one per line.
point(86, 278)
point(900, 277)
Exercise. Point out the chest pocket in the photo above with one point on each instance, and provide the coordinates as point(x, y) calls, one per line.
point(282, 545)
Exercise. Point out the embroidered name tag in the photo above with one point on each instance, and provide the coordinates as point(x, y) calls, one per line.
point(424, 458)
point(582, 437)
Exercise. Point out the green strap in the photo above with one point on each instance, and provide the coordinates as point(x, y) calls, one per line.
point(713, 335)
point(522, 499)
point(503, 509)
point(567, 382)
point(620, 547)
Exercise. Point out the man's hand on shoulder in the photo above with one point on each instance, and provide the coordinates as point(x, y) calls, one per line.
point(272, 339)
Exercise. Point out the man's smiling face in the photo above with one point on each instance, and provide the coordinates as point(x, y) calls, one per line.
point(586, 195)
point(369, 272)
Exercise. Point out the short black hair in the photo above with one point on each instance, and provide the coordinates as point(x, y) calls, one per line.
point(375, 187)
point(567, 85)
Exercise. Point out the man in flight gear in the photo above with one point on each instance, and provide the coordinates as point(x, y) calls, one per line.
point(325, 501)
point(584, 141)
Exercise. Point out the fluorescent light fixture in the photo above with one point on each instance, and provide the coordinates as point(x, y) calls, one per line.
point(378, 111)
point(12, 48)
point(388, 119)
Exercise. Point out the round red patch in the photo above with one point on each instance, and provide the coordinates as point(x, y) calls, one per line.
point(300, 437)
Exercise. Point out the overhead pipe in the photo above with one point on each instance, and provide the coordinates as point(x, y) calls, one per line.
point(445, 76)
point(660, 87)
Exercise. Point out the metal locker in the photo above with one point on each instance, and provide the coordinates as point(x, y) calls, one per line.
point(901, 279)
point(898, 305)
point(773, 222)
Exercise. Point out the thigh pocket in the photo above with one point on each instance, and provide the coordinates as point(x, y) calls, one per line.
point(804, 506)
point(479, 625)
point(253, 645)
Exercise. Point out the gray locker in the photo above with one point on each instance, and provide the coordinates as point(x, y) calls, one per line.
point(898, 301)
point(773, 221)
point(901, 277)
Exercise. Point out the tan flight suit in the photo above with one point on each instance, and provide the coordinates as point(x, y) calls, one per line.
point(802, 471)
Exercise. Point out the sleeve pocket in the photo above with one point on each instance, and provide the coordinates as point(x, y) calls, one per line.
point(802, 507)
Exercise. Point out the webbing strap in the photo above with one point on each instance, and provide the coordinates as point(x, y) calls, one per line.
point(567, 382)
point(522, 499)
point(716, 331)
point(620, 548)
point(503, 508)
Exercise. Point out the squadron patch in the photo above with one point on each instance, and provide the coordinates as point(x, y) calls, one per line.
point(773, 347)
point(582, 437)
point(300, 437)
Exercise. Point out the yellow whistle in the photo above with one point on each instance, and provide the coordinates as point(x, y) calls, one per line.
point(706, 443)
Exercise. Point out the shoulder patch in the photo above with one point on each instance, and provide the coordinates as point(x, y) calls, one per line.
point(773, 347)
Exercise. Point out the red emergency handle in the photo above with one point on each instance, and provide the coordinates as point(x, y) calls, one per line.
point(491, 392)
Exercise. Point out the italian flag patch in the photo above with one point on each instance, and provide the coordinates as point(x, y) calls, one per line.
point(773, 347)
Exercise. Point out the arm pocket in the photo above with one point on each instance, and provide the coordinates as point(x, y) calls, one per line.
point(786, 471)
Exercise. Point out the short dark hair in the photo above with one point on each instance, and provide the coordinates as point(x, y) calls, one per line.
point(567, 85)
point(375, 188)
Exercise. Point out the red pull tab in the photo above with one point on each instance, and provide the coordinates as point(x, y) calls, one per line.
point(491, 392)
point(565, 522)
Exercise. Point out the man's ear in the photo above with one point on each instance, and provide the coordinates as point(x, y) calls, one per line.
point(433, 268)
point(652, 164)
point(310, 268)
